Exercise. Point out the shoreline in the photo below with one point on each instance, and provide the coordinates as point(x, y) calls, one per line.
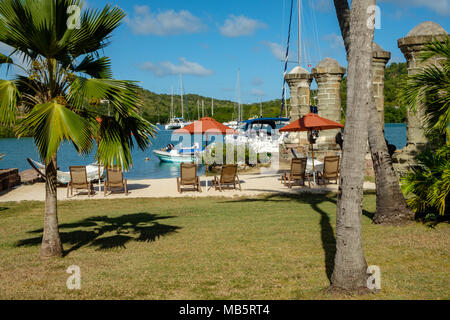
point(252, 185)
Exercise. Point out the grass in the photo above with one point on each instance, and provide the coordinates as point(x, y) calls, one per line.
point(259, 248)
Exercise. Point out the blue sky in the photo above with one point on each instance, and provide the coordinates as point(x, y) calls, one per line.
point(210, 40)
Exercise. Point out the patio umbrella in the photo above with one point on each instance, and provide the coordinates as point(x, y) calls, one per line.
point(206, 126)
point(311, 122)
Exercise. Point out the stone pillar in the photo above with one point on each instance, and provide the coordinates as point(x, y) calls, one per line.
point(412, 46)
point(379, 62)
point(299, 81)
point(328, 74)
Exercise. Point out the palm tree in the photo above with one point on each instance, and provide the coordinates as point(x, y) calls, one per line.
point(63, 77)
point(350, 266)
point(428, 182)
point(391, 204)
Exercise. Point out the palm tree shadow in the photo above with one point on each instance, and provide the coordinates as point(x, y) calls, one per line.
point(104, 232)
point(327, 233)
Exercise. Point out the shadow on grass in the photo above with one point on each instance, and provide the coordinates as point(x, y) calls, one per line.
point(95, 231)
point(327, 232)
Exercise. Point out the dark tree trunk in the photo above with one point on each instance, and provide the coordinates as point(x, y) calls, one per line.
point(51, 242)
point(391, 204)
point(350, 267)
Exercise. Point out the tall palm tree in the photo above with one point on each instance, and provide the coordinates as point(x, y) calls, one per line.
point(350, 266)
point(63, 77)
point(391, 205)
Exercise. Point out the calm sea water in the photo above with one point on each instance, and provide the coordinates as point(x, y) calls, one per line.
point(18, 150)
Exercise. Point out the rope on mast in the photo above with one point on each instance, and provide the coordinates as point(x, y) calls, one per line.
point(286, 59)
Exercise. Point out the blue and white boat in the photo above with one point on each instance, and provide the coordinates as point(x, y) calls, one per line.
point(179, 154)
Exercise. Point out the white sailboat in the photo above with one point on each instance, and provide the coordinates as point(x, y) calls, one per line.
point(177, 123)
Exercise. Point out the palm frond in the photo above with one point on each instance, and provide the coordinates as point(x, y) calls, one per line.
point(51, 124)
point(9, 96)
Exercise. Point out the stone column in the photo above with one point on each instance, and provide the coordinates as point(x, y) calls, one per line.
point(379, 62)
point(328, 74)
point(412, 46)
point(299, 81)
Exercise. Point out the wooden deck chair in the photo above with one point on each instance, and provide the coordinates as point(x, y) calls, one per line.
point(297, 173)
point(188, 177)
point(78, 180)
point(330, 170)
point(115, 180)
point(228, 177)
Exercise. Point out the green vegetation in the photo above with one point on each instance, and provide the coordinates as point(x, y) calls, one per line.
point(156, 107)
point(428, 183)
point(394, 109)
point(211, 248)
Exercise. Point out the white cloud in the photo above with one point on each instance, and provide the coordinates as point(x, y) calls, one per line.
point(276, 49)
point(257, 92)
point(163, 23)
point(236, 26)
point(442, 7)
point(167, 68)
point(257, 81)
point(335, 41)
point(322, 5)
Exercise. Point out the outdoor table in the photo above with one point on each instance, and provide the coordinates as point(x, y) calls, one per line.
point(318, 167)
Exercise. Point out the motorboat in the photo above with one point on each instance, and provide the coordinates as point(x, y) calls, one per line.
point(178, 154)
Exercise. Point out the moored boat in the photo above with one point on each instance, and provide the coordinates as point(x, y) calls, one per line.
point(175, 155)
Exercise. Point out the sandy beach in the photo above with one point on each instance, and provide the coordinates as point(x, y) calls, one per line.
point(252, 185)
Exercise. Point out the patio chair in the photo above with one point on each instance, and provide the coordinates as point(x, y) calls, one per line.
point(79, 180)
point(115, 180)
point(297, 173)
point(228, 177)
point(330, 170)
point(188, 177)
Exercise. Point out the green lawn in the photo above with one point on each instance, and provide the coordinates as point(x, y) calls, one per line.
point(260, 248)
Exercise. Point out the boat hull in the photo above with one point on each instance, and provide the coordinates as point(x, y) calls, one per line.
point(165, 156)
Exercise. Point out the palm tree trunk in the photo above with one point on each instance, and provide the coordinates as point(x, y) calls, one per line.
point(350, 267)
point(391, 204)
point(51, 242)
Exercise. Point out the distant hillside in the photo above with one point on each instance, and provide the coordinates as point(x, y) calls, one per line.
point(157, 107)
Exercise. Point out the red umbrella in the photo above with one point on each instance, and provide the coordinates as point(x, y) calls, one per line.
point(208, 126)
point(311, 122)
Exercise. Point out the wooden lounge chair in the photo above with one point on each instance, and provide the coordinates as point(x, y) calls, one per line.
point(297, 173)
point(79, 180)
point(115, 180)
point(228, 177)
point(188, 177)
point(330, 170)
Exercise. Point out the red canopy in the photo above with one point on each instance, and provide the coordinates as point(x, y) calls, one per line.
point(311, 121)
point(206, 125)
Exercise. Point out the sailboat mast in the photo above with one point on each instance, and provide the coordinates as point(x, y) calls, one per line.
point(212, 107)
point(182, 103)
point(171, 105)
point(203, 108)
point(239, 96)
point(300, 33)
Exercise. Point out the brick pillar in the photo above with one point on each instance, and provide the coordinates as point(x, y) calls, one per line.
point(379, 62)
point(328, 74)
point(412, 46)
point(299, 81)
